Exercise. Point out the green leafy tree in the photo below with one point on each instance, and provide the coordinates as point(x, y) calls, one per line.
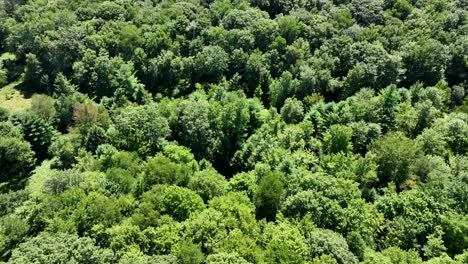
point(425, 61)
point(292, 111)
point(208, 184)
point(389, 99)
point(338, 139)
point(175, 201)
point(268, 195)
point(225, 258)
point(206, 228)
point(325, 242)
point(37, 131)
point(34, 78)
point(454, 228)
point(402, 9)
point(50, 248)
point(284, 244)
point(395, 154)
point(162, 170)
point(188, 253)
point(43, 105)
point(367, 12)
point(140, 128)
point(211, 63)
point(16, 158)
point(194, 126)
point(12, 232)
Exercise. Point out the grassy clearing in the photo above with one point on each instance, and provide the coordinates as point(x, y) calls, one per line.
point(12, 99)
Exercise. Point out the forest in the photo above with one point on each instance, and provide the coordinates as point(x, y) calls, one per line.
point(234, 131)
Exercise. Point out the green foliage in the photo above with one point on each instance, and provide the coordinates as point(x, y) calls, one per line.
point(393, 255)
point(16, 159)
point(292, 111)
point(402, 9)
point(225, 258)
point(140, 128)
point(210, 63)
point(47, 248)
point(233, 131)
point(395, 154)
point(194, 126)
point(268, 195)
point(12, 232)
point(208, 184)
point(425, 61)
point(454, 227)
point(37, 131)
point(206, 228)
point(367, 12)
point(34, 78)
point(326, 242)
point(337, 139)
point(175, 201)
point(43, 105)
point(162, 170)
point(188, 253)
point(284, 244)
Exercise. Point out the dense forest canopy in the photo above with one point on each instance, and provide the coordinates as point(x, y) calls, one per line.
point(234, 131)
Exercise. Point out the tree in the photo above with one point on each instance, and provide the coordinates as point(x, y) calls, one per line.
point(225, 258)
point(268, 195)
point(292, 111)
point(331, 203)
point(284, 243)
point(210, 63)
point(65, 150)
point(411, 217)
point(325, 242)
point(188, 253)
point(402, 9)
point(111, 11)
point(194, 126)
point(12, 5)
point(367, 12)
point(175, 201)
point(389, 99)
point(455, 229)
point(425, 61)
point(244, 182)
point(16, 159)
point(243, 246)
point(37, 131)
point(393, 255)
point(456, 130)
point(34, 78)
point(281, 89)
point(49, 248)
point(206, 228)
point(290, 28)
point(208, 184)
point(60, 181)
point(363, 135)
point(129, 88)
point(164, 72)
point(457, 67)
point(162, 170)
point(238, 213)
point(395, 154)
point(338, 139)
point(12, 231)
point(43, 105)
point(140, 128)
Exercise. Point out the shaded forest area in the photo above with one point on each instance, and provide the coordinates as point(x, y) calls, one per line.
point(234, 131)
